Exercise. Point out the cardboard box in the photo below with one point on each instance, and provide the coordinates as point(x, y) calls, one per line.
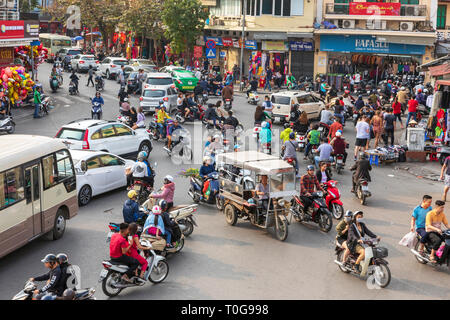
point(416, 156)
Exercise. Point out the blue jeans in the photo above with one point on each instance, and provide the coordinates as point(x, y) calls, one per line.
point(317, 160)
point(36, 110)
point(340, 116)
point(267, 84)
point(168, 237)
point(308, 149)
point(411, 114)
point(161, 129)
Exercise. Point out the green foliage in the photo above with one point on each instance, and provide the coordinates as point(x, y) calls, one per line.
point(28, 5)
point(191, 172)
point(143, 17)
point(184, 21)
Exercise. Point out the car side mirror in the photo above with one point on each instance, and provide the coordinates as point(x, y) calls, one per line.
point(83, 166)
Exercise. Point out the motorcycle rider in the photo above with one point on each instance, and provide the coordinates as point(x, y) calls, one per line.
point(262, 191)
point(325, 150)
point(169, 224)
point(118, 249)
point(168, 191)
point(98, 98)
point(54, 284)
point(136, 245)
point(359, 103)
point(130, 209)
point(265, 136)
point(123, 93)
point(326, 116)
point(172, 129)
point(253, 86)
point(74, 78)
point(227, 93)
point(433, 222)
point(338, 143)
point(284, 135)
point(63, 261)
point(162, 116)
point(210, 113)
point(418, 220)
point(206, 168)
point(356, 232)
point(53, 73)
point(342, 232)
point(313, 139)
point(361, 168)
point(230, 120)
point(198, 91)
point(308, 185)
point(155, 224)
point(141, 170)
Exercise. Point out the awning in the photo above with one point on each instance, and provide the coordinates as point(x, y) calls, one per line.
point(300, 35)
point(425, 41)
point(442, 49)
point(443, 82)
point(425, 66)
point(440, 70)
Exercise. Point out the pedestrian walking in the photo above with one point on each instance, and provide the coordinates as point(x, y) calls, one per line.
point(377, 126)
point(268, 79)
point(389, 120)
point(445, 171)
point(91, 76)
point(37, 102)
point(397, 109)
point(362, 135)
point(412, 110)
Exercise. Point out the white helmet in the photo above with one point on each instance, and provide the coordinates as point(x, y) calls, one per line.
point(425, 90)
point(338, 133)
point(125, 99)
point(168, 177)
point(263, 124)
point(156, 210)
point(206, 158)
point(403, 88)
point(216, 137)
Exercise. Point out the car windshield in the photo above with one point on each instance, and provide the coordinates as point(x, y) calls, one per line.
point(281, 99)
point(72, 134)
point(154, 93)
point(120, 62)
point(159, 81)
point(74, 52)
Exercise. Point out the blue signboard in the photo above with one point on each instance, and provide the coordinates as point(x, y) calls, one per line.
point(300, 46)
point(251, 44)
point(211, 53)
point(217, 40)
point(367, 44)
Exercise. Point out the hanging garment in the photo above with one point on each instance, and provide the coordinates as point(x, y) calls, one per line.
point(400, 68)
point(394, 68)
point(406, 68)
point(436, 103)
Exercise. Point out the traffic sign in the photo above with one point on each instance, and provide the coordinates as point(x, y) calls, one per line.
point(223, 54)
point(211, 53)
point(210, 44)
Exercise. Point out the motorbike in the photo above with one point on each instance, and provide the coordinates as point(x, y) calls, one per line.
point(339, 163)
point(45, 105)
point(111, 275)
point(227, 104)
point(7, 125)
point(312, 153)
point(153, 130)
point(143, 190)
point(324, 129)
point(181, 145)
point(54, 84)
point(253, 98)
point(256, 131)
point(292, 161)
point(301, 139)
point(374, 266)
point(99, 83)
point(72, 88)
point(333, 199)
point(96, 110)
point(425, 257)
point(207, 192)
point(362, 190)
point(30, 286)
point(318, 211)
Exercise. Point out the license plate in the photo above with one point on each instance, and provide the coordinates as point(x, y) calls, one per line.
point(103, 274)
point(302, 145)
point(340, 161)
point(438, 155)
point(320, 128)
point(228, 102)
point(365, 188)
point(189, 82)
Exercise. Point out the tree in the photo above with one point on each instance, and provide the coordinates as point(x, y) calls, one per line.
point(28, 5)
point(184, 21)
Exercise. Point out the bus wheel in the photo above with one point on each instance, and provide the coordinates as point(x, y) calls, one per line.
point(60, 225)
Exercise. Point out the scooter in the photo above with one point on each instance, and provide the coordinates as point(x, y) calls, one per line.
point(30, 286)
point(253, 98)
point(374, 267)
point(54, 84)
point(180, 146)
point(317, 212)
point(7, 125)
point(339, 163)
point(207, 192)
point(362, 190)
point(45, 105)
point(111, 275)
point(99, 83)
point(333, 199)
point(227, 104)
point(301, 139)
point(425, 257)
point(72, 88)
point(96, 111)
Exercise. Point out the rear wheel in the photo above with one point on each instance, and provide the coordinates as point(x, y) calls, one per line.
point(108, 75)
point(159, 272)
point(420, 260)
point(325, 221)
point(338, 211)
point(59, 225)
point(108, 284)
point(145, 146)
point(219, 203)
point(12, 129)
point(180, 245)
point(230, 215)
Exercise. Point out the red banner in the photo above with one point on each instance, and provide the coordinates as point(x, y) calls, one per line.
point(198, 51)
point(227, 42)
point(374, 9)
point(10, 29)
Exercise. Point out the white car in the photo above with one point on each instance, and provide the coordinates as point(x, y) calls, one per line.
point(167, 69)
point(98, 172)
point(82, 62)
point(110, 66)
point(283, 101)
point(108, 136)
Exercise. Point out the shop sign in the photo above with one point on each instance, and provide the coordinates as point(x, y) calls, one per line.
point(366, 44)
point(6, 56)
point(31, 29)
point(10, 29)
point(198, 52)
point(249, 44)
point(274, 46)
point(374, 8)
point(223, 54)
point(301, 46)
point(227, 42)
point(217, 40)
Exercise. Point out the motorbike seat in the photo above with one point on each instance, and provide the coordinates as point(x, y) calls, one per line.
point(181, 206)
point(119, 264)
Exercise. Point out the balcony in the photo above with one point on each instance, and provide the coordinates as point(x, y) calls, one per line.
point(408, 12)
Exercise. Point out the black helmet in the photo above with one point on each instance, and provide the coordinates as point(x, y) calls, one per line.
point(51, 258)
point(68, 294)
point(163, 204)
point(62, 258)
point(287, 125)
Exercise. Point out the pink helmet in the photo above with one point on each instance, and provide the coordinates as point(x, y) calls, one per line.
point(156, 210)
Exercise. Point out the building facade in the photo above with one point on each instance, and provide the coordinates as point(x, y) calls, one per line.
point(278, 34)
point(443, 28)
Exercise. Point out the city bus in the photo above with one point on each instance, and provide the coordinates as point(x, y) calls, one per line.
point(53, 42)
point(38, 191)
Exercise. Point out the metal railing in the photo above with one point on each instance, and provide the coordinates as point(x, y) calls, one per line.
point(406, 10)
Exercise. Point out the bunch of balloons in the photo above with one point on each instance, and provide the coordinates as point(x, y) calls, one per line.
point(15, 83)
point(24, 53)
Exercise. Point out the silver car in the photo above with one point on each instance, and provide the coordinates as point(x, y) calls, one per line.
point(82, 62)
point(152, 95)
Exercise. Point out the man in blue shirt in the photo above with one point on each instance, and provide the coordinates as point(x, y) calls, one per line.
point(418, 219)
point(325, 150)
point(172, 128)
point(206, 168)
point(131, 208)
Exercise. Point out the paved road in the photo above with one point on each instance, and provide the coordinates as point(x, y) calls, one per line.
point(240, 262)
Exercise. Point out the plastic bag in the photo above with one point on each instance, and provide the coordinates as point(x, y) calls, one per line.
point(440, 251)
point(409, 240)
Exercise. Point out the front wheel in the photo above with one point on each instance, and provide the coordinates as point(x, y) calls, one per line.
point(12, 129)
point(108, 284)
point(338, 211)
point(159, 272)
point(180, 245)
point(230, 215)
point(381, 275)
point(145, 146)
point(189, 228)
point(282, 230)
point(325, 221)
point(219, 203)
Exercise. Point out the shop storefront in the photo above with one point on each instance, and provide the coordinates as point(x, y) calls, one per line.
point(372, 58)
point(302, 58)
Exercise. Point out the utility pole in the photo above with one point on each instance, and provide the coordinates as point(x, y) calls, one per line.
point(244, 11)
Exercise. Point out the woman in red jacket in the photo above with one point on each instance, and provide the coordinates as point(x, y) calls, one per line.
point(397, 107)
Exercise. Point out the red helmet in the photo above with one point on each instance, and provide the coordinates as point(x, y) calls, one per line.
point(347, 91)
point(389, 81)
point(419, 90)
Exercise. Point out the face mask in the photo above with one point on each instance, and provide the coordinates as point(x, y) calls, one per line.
point(347, 220)
point(360, 220)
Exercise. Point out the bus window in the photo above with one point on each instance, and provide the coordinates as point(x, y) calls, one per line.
point(12, 185)
point(48, 165)
point(61, 43)
point(64, 165)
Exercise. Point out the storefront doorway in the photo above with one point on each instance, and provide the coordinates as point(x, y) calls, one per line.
point(302, 63)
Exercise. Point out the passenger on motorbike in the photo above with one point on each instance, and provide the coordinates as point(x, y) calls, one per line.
point(141, 170)
point(420, 97)
point(220, 111)
point(361, 168)
point(418, 220)
point(118, 249)
point(284, 135)
point(130, 208)
point(53, 73)
point(325, 150)
point(326, 116)
point(169, 224)
point(313, 139)
point(123, 93)
point(433, 222)
point(54, 284)
point(338, 143)
point(295, 113)
point(135, 246)
point(198, 92)
point(323, 174)
point(155, 224)
point(290, 149)
point(308, 185)
point(342, 232)
point(227, 93)
point(168, 191)
point(64, 265)
point(125, 108)
point(162, 117)
point(356, 232)
point(265, 136)
point(231, 120)
point(359, 104)
point(210, 113)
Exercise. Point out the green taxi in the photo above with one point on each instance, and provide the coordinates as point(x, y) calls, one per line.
point(184, 80)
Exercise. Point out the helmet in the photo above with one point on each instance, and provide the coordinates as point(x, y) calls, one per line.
point(161, 101)
point(236, 146)
point(389, 81)
point(48, 297)
point(263, 124)
point(156, 210)
point(51, 258)
point(131, 194)
point(338, 133)
point(168, 177)
point(216, 137)
point(163, 204)
point(125, 99)
point(142, 155)
point(403, 88)
point(348, 213)
point(310, 167)
point(425, 90)
point(68, 294)
point(286, 125)
point(419, 90)
point(292, 135)
point(356, 213)
point(62, 258)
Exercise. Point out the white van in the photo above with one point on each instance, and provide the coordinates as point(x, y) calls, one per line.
point(284, 100)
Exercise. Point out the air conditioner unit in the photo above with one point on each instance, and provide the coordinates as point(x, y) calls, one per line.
point(410, 11)
point(348, 24)
point(406, 26)
point(376, 24)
